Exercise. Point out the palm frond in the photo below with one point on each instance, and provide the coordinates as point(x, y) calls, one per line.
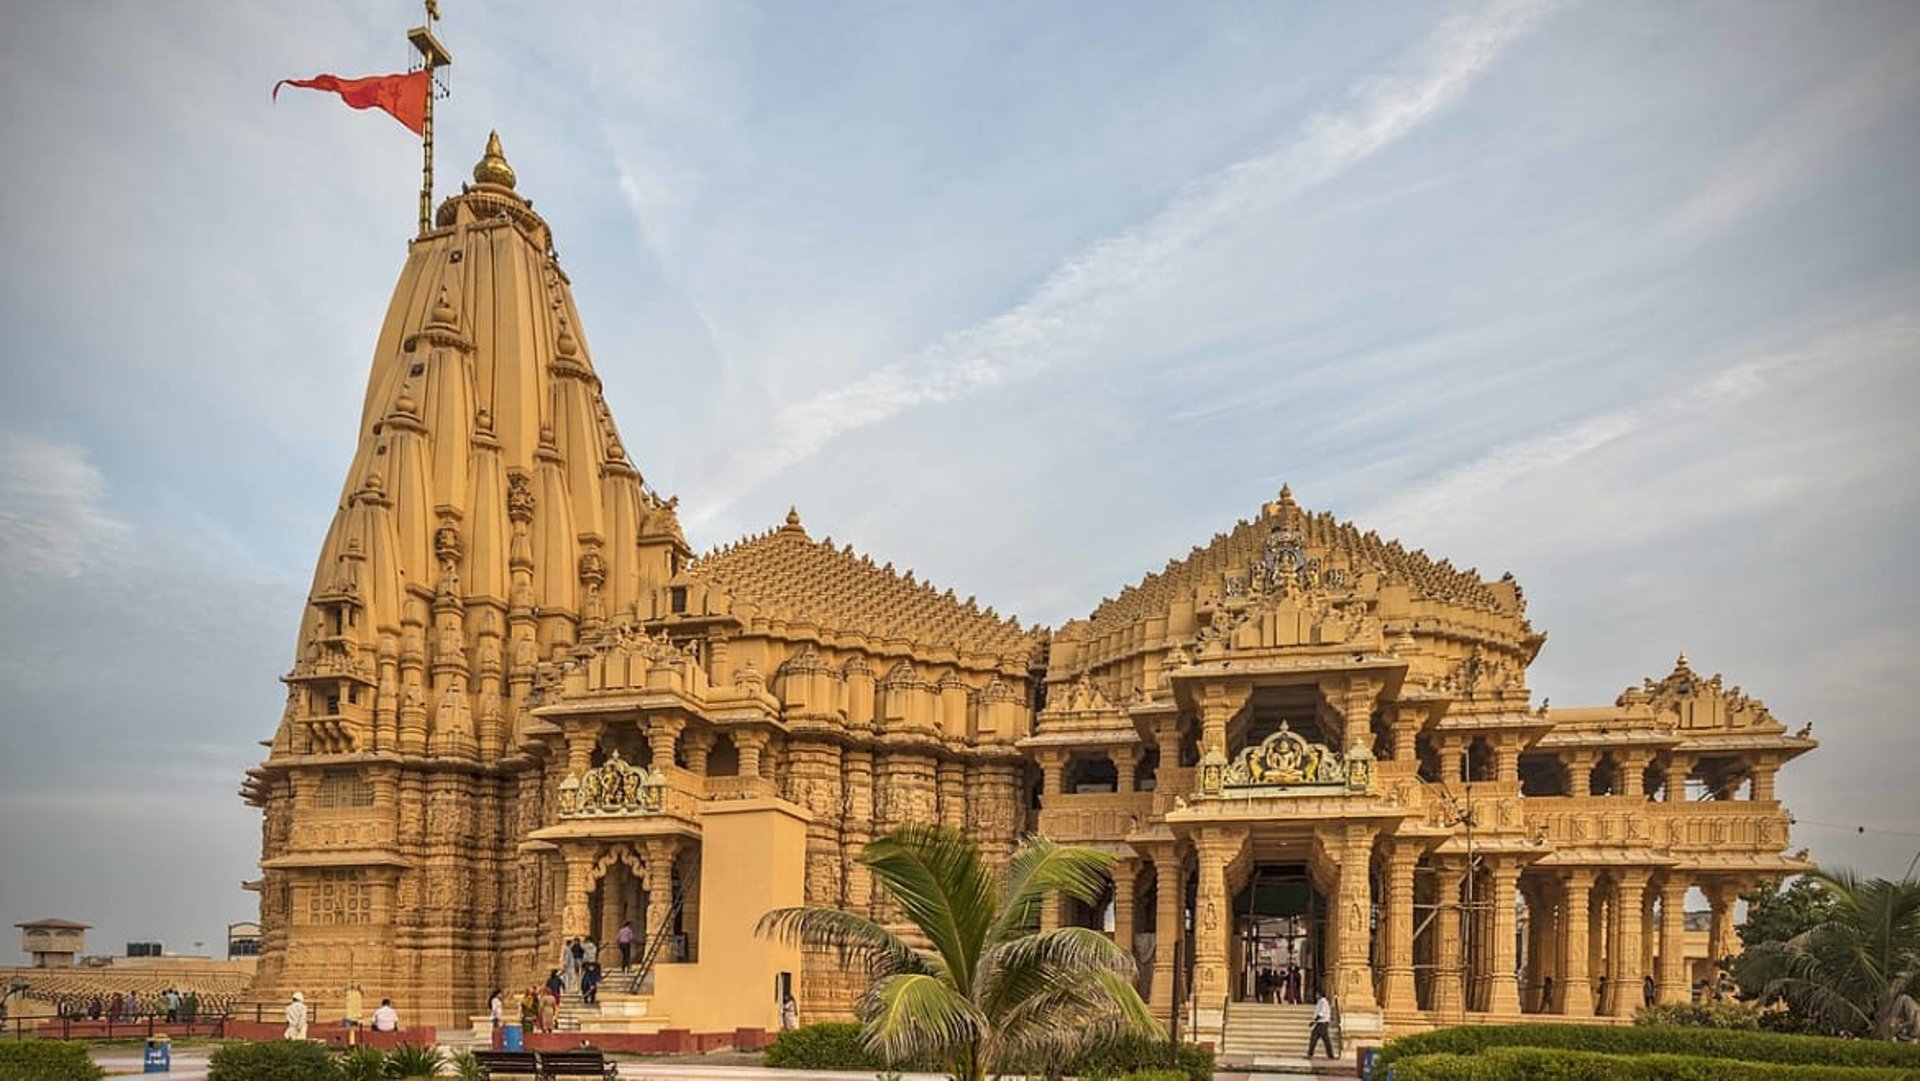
point(857, 938)
point(915, 1016)
point(1041, 866)
point(936, 876)
point(1012, 971)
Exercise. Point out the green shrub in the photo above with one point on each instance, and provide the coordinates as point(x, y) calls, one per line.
point(1157, 1075)
point(1135, 1054)
point(1735, 1015)
point(410, 1060)
point(275, 1060)
point(829, 1045)
point(466, 1067)
point(46, 1060)
point(1553, 1064)
point(362, 1064)
point(1770, 1047)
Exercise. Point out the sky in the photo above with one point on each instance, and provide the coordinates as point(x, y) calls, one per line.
point(1621, 297)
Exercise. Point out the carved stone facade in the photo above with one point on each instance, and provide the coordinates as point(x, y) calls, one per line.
point(521, 709)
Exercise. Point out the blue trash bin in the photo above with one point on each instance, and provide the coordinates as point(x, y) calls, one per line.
point(510, 1038)
point(159, 1056)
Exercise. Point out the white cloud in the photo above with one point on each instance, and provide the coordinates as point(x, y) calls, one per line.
point(1080, 295)
point(1573, 485)
point(1785, 155)
point(54, 513)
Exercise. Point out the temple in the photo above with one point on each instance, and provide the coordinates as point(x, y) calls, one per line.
point(522, 710)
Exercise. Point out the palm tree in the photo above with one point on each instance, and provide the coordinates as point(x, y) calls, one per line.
point(1858, 970)
point(993, 992)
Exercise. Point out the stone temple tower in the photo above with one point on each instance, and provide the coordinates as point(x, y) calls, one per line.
point(490, 519)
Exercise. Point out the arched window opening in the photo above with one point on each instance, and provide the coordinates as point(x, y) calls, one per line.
point(1088, 772)
point(1543, 774)
point(724, 759)
point(1606, 777)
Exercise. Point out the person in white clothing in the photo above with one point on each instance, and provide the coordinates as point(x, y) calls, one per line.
point(1322, 1017)
point(297, 1017)
point(386, 1018)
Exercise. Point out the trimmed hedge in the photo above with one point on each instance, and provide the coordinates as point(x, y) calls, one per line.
point(1770, 1047)
point(272, 1060)
point(1734, 1015)
point(46, 1060)
point(836, 1045)
point(1553, 1064)
point(827, 1045)
point(1137, 1054)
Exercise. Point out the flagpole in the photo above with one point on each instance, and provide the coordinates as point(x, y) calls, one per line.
point(432, 56)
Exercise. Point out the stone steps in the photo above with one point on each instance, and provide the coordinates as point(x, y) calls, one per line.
point(1256, 1030)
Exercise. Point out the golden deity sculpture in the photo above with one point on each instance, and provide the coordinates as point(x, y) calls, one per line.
point(522, 710)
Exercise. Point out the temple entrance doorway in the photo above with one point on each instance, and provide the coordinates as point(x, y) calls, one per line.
point(1279, 921)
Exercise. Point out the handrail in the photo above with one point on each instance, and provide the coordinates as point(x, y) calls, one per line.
point(648, 955)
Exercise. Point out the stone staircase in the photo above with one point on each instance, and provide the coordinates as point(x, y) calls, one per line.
point(615, 1009)
point(1262, 1033)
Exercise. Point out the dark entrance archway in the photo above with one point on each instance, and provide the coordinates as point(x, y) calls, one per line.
point(1279, 921)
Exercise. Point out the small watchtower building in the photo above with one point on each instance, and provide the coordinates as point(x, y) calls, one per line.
point(53, 943)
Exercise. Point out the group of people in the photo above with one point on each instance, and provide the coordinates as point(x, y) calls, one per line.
point(1272, 986)
point(385, 1019)
point(170, 1005)
point(579, 970)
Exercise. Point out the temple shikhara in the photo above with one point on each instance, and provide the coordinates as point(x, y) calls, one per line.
point(523, 709)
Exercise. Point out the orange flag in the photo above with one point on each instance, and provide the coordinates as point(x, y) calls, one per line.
point(403, 97)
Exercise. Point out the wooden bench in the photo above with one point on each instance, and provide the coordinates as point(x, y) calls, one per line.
point(508, 1063)
point(577, 1064)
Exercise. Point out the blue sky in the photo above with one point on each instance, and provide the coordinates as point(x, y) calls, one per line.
point(1622, 297)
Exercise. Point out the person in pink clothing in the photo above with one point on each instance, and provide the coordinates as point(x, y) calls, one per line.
point(623, 938)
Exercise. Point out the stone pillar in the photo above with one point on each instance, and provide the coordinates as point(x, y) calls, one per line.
point(752, 744)
point(1599, 910)
point(1721, 896)
point(1447, 959)
point(580, 745)
point(573, 910)
point(1763, 774)
point(1576, 990)
point(609, 903)
point(1217, 709)
point(1678, 766)
point(1211, 918)
point(660, 854)
point(663, 733)
point(1352, 976)
point(1050, 906)
point(1123, 875)
point(1124, 764)
point(1628, 942)
point(1580, 765)
point(690, 902)
point(698, 744)
point(1170, 894)
point(1053, 769)
point(1673, 937)
point(1397, 991)
point(1407, 719)
point(1633, 769)
point(1506, 760)
point(1503, 994)
point(1449, 748)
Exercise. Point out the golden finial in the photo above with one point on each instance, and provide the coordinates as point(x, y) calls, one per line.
point(493, 167)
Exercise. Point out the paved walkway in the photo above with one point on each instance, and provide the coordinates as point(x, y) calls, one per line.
point(191, 1065)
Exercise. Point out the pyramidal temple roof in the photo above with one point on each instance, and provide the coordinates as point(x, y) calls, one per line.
point(1338, 545)
point(838, 588)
